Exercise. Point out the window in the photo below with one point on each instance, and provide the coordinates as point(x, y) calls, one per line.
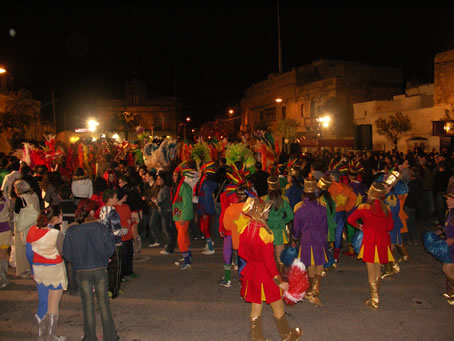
point(270, 114)
point(262, 115)
point(135, 99)
point(313, 114)
point(284, 113)
point(302, 110)
point(158, 124)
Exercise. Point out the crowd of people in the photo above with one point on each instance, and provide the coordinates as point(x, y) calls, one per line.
point(83, 233)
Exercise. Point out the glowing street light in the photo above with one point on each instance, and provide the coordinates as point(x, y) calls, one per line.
point(188, 119)
point(2, 70)
point(325, 121)
point(92, 125)
point(231, 111)
point(278, 100)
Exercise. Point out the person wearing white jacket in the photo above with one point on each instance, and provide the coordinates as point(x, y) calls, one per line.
point(82, 186)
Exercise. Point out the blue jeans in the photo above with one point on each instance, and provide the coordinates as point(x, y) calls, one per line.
point(98, 279)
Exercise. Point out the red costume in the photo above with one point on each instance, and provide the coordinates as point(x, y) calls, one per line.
point(256, 248)
point(376, 243)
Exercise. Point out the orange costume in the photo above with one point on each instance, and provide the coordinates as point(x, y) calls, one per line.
point(256, 248)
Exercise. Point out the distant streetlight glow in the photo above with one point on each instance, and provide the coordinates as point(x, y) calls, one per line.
point(188, 119)
point(115, 136)
point(278, 100)
point(2, 70)
point(92, 125)
point(325, 121)
point(231, 111)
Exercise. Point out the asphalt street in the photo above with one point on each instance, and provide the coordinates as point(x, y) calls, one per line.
point(166, 304)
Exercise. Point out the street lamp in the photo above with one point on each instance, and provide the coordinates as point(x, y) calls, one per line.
point(278, 100)
point(188, 119)
point(2, 70)
point(92, 125)
point(231, 111)
point(324, 121)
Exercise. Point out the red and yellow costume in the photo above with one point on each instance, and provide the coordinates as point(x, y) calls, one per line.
point(376, 245)
point(256, 248)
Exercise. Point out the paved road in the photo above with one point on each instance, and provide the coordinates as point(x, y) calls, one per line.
point(165, 304)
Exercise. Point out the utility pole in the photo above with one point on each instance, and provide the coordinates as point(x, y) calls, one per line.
point(279, 39)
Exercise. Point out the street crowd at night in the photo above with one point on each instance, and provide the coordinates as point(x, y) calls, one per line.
point(285, 220)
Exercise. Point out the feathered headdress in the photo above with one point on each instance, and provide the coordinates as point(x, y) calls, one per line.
point(183, 169)
point(239, 152)
point(237, 177)
point(201, 153)
point(355, 167)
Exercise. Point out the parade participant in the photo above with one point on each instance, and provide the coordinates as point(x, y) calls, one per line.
point(354, 172)
point(204, 189)
point(345, 200)
point(293, 190)
point(375, 248)
point(5, 240)
point(91, 239)
point(323, 185)
point(182, 212)
point(232, 200)
point(44, 248)
point(280, 215)
point(391, 199)
point(310, 227)
point(260, 278)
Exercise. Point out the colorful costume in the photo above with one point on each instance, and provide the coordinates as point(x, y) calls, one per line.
point(376, 244)
point(310, 226)
point(278, 219)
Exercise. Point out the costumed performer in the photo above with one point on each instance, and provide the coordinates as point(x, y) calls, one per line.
point(44, 248)
point(294, 189)
point(182, 212)
point(6, 238)
point(279, 216)
point(204, 189)
point(310, 227)
point(260, 279)
point(375, 220)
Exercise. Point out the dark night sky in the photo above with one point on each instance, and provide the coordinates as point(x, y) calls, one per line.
point(208, 52)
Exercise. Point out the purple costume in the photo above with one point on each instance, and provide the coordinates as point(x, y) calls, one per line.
point(310, 226)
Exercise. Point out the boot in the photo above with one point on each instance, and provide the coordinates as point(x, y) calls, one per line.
point(256, 328)
point(374, 300)
point(42, 327)
point(286, 333)
point(315, 291)
point(403, 253)
point(391, 268)
point(336, 254)
point(4, 273)
point(53, 324)
point(449, 294)
point(310, 291)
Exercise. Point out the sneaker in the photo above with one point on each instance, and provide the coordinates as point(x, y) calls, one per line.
point(206, 246)
point(208, 252)
point(181, 259)
point(165, 252)
point(125, 279)
point(225, 283)
point(185, 266)
point(154, 245)
point(202, 237)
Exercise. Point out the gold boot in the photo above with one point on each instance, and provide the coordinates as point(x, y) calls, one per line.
point(403, 253)
point(449, 294)
point(391, 268)
point(309, 292)
point(315, 291)
point(286, 333)
point(374, 301)
point(256, 328)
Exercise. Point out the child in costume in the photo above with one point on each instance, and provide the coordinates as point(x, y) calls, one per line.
point(260, 278)
point(376, 222)
point(310, 227)
point(44, 246)
point(293, 190)
point(279, 216)
point(182, 212)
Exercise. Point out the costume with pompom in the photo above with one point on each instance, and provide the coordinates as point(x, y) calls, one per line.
point(298, 283)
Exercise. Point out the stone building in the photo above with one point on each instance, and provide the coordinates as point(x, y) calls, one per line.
point(160, 114)
point(426, 106)
point(307, 93)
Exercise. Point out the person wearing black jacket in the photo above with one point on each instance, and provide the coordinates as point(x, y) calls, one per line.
point(413, 205)
point(88, 247)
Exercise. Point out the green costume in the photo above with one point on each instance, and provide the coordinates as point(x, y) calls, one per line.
point(182, 209)
point(330, 213)
point(278, 219)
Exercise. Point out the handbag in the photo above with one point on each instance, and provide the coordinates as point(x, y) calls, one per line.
point(26, 218)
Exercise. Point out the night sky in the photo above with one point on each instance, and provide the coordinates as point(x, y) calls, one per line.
point(205, 52)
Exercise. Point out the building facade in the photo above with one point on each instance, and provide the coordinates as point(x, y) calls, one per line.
point(308, 93)
point(427, 107)
point(159, 115)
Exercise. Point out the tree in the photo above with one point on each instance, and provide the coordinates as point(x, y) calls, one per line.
point(21, 112)
point(287, 129)
point(393, 127)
